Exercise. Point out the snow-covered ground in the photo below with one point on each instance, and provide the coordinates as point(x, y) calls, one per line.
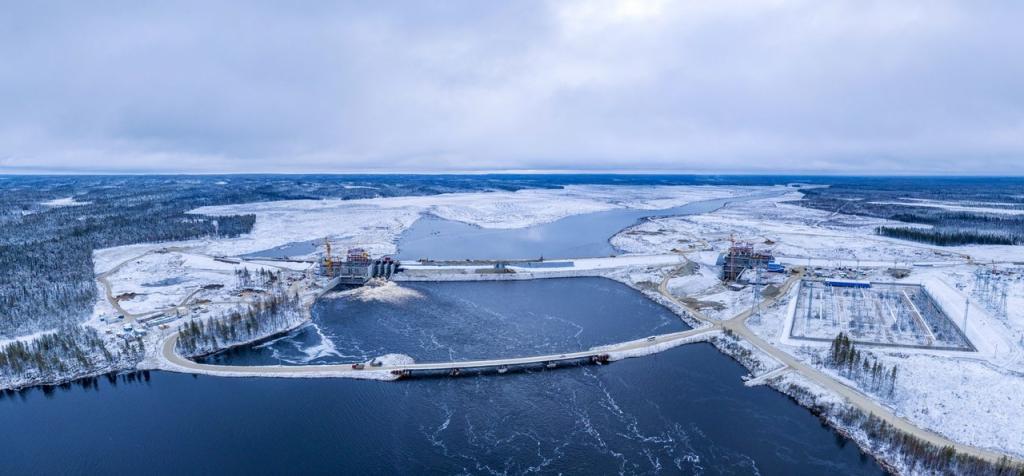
point(703, 279)
point(161, 280)
point(64, 202)
point(972, 397)
point(795, 234)
point(966, 400)
point(955, 207)
point(375, 223)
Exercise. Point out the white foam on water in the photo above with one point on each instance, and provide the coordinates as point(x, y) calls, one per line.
point(386, 291)
point(395, 360)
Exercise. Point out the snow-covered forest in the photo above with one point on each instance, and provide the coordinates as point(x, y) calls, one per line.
point(69, 352)
point(949, 212)
point(911, 454)
point(960, 236)
point(861, 367)
point(268, 316)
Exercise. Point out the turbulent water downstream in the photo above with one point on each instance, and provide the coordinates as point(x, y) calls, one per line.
point(466, 320)
point(683, 411)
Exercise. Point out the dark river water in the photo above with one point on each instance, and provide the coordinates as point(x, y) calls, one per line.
point(684, 411)
point(466, 320)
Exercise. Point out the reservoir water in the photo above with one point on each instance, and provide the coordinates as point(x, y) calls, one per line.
point(288, 250)
point(577, 236)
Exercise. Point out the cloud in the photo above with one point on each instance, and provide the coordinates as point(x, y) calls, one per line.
point(730, 86)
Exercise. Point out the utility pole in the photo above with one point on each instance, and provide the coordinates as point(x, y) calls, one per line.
point(757, 283)
point(967, 307)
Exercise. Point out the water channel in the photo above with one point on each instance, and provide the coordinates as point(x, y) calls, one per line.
point(577, 236)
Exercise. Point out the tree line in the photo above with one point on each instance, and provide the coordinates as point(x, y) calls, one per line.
point(894, 200)
point(923, 457)
point(267, 316)
point(261, 278)
point(896, 446)
point(861, 367)
point(73, 350)
point(949, 237)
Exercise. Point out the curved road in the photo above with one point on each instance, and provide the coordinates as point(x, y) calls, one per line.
point(345, 370)
point(738, 325)
point(129, 317)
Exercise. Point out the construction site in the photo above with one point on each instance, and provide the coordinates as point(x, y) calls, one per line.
point(743, 256)
point(886, 314)
point(356, 268)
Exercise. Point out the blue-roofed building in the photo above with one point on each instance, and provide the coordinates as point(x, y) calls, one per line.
point(847, 284)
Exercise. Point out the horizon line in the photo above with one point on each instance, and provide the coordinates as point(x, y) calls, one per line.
point(508, 172)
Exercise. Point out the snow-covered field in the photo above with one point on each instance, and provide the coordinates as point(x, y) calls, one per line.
point(972, 397)
point(796, 235)
point(64, 202)
point(161, 280)
point(964, 399)
point(375, 223)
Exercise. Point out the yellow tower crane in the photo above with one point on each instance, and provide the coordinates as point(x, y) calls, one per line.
point(328, 260)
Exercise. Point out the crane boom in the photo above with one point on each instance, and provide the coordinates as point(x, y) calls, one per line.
point(328, 260)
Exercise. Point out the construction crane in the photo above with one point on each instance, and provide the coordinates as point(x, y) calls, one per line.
point(328, 261)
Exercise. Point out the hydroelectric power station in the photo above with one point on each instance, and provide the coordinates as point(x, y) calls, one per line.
point(356, 269)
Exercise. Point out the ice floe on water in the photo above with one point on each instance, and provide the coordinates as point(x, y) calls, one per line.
point(394, 360)
point(323, 348)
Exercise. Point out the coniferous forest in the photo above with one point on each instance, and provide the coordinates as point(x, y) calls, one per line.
point(267, 316)
point(48, 278)
point(941, 211)
point(861, 367)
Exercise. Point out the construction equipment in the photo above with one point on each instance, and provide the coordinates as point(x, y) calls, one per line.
point(328, 260)
point(740, 257)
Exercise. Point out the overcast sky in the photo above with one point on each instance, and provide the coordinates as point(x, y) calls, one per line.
point(719, 86)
